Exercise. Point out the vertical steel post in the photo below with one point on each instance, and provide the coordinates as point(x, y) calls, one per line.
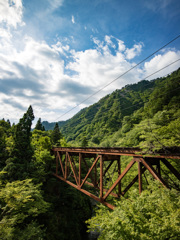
point(80, 161)
point(119, 173)
point(101, 177)
point(95, 174)
point(56, 164)
point(66, 166)
point(159, 167)
point(140, 176)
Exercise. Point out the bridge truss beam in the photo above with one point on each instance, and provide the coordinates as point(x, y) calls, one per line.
point(90, 166)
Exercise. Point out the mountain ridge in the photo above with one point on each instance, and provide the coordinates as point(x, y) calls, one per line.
point(109, 114)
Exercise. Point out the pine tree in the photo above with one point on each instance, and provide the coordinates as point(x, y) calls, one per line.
point(39, 125)
point(56, 134)
point(19, 163)
point(3, 151)
point(22, 147)
point(8, 121)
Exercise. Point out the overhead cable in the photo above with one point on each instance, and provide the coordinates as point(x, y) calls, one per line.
point(118, 77)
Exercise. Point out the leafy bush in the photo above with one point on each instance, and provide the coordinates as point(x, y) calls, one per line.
point(152, 215)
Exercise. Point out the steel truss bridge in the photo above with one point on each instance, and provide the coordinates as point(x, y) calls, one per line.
point(92, 167)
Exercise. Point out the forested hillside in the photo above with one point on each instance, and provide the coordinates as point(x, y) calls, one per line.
point(146, 114)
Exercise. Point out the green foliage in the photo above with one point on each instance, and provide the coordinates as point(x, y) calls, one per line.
point(42, 159)
point(21, 204)
point(63, 142)
point(39, 125)
point(164, 94)
point(155, 126)
point(56, 135)
point(6, 126)
point(152, 215)
point(23, 207)
point(3, 151)
point(151, 134)
point(84, 142)
point(69, 210)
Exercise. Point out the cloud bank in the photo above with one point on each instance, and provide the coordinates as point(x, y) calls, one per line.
point(55, 78)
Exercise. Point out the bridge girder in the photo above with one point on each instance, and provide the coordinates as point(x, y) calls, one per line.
point(89, 166)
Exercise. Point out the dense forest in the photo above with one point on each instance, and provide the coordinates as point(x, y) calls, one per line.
point(35, 205)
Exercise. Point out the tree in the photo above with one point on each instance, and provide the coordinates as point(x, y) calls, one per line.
point(21, 205)
point(42, 158)
point(3, 151)
point(56, 134)
point(22, 137)
point(39, 125)
point(6, 126)
point(8, 121)
point(84, 142)
point(18, 166)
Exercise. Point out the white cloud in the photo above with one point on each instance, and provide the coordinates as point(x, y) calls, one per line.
point(72, 19)
point(55, 3)
point(133, 52)
point(109, 42)
point(121, 45)
point(31, 76)
point(97, 67)
point(11, 12)
point(160, 61)
point(60, 48)
point(5, 35)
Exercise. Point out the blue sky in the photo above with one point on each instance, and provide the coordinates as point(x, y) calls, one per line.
point(56, 53)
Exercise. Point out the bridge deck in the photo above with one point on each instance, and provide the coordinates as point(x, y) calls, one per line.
point(119, 151)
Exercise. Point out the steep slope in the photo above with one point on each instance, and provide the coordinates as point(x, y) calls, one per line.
point(107, 113)
point(105, 117)
point(156, 125)
point(122, 109)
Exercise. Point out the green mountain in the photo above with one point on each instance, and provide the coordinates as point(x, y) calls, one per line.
point(113, 119)
point(50, 126)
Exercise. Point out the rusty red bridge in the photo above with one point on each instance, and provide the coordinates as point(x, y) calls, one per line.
point(103, 170)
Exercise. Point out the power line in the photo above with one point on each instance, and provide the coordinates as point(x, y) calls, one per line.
point(94, 121)
point(89, 119)
point(119, 77)
point(150, 124)
point(144, 86)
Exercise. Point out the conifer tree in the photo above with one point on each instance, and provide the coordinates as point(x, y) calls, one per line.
point(8, 121)
point(22, 152)
point(56, 134)
point(22, 147)
point(39, 125)
point(3, 151)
